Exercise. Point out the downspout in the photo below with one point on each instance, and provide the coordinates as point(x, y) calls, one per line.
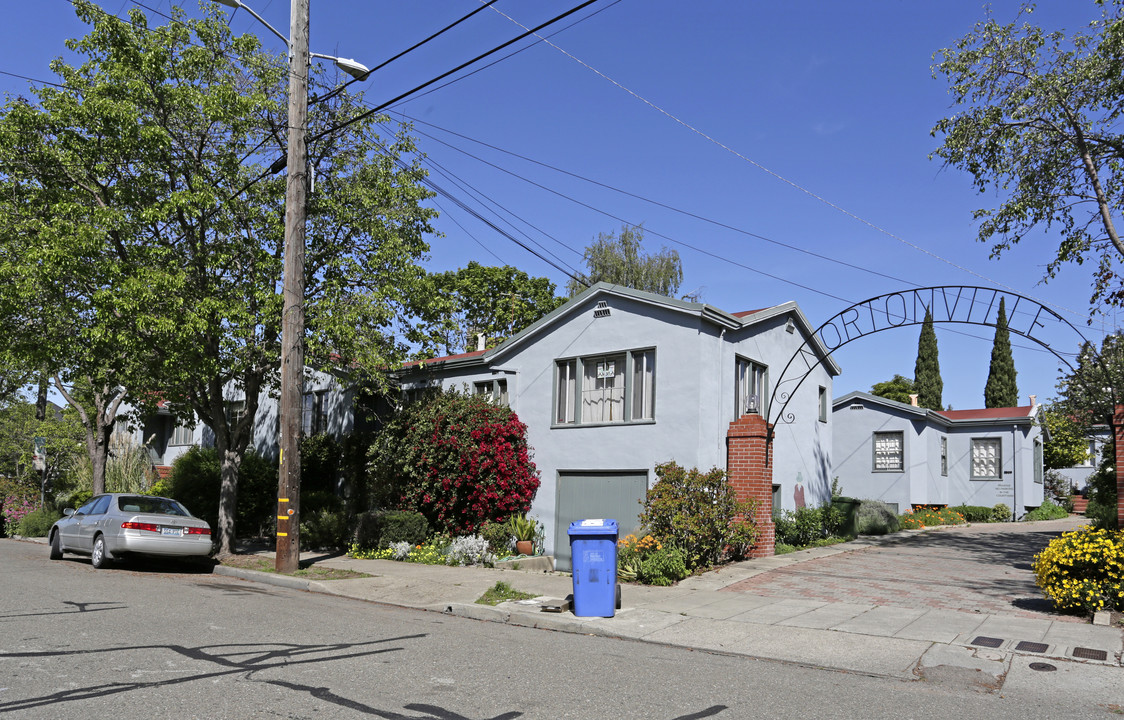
point(1014, 475)
point(720, 439)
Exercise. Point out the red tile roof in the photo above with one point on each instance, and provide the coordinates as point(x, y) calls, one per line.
point(745, 313)
point(988, 413)
point(461, 356)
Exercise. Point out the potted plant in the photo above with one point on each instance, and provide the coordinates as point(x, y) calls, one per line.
point(523, 529)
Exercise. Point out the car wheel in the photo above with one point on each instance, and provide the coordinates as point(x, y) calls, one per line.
point(56, 551)
point(99, 558)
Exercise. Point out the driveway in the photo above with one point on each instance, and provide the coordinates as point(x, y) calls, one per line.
point(984, 568)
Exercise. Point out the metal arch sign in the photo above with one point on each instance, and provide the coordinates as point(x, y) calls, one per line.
point(961, 304)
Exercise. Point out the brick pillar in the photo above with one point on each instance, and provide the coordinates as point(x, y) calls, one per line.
point(749, 468)
point(1118, 435)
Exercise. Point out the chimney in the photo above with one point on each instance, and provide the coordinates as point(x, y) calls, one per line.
point(480, 341)
point(1033, 401)
point(913, 399)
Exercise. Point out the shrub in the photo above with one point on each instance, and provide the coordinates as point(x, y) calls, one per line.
point(1000, 513)
point(805, 525)
point(645, 560)
point(469, 550)
point(498, 535)
point(924, 516)
point(195, 481)
point(37, 523)
point(16, 500)
point(1102, 491)
point(457, 459)
point(699, 514)
point(1057, 487)
point(1083, 570)
point(325, 529)
point(875, 517)
point(976, 513)
point(1046, 511)
point(380, 528)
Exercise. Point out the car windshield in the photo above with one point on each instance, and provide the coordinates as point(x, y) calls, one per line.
point(150, 504)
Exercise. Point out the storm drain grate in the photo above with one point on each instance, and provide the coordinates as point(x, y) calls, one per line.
point(1090, 654)
point(1027, 646)
point(987, 642)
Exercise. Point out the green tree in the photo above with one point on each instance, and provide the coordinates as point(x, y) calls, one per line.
point(898, 388)
point(1068, 444)
point(1038, 120)
point(158, 150)
point(1089, 393)
point(1001, 390)
point(496, 302)
point(927, 380)
point(618, 259)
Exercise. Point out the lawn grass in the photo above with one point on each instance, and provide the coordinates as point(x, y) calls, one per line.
point(501, 592)
point(264, 563)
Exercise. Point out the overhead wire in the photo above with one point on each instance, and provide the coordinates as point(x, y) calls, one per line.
point(780, 177)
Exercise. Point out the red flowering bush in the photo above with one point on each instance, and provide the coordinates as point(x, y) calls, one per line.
point(457, 459)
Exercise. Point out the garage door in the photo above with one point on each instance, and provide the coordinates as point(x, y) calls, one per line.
point(582, 495)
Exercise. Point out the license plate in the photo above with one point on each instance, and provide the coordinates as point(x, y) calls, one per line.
point(176, 532)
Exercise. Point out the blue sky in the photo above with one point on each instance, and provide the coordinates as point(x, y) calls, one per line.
point(803, 124)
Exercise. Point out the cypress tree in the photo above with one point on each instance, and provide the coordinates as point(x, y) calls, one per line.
point(927, 372)
point(1001, 390)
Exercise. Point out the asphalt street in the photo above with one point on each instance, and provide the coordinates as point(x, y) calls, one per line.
point(143, 641)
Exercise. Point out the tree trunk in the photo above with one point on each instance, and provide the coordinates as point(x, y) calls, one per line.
point(98, 422)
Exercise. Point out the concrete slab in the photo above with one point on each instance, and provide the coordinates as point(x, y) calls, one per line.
point(1013, 628)
point(781, 609)
point(884, 620)
point(685, 601)
point(703, 633)
point(730, 605)
point(951, 665)
point(889, 657)
point(942, 626)
point(827, 616)
point(1093, 684)
point(1089, 636)
point(637, 624)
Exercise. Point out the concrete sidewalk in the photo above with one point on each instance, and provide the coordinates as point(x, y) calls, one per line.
point(977, 649)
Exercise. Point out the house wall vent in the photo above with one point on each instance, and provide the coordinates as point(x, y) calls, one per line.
point(857, 406)
point(602, 309)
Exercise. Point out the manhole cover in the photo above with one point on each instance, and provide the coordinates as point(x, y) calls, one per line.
point(1042, 667)
point(1027, 646)
point(987, 642)
point(1090, 654)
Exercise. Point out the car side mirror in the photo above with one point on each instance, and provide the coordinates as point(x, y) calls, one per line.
point(68, 512)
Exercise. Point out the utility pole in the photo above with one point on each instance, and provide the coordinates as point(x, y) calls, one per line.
point(292, 322)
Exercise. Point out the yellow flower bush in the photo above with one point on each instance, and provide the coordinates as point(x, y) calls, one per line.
point(1083, 570)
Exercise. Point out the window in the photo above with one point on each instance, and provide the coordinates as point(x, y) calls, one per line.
point(235, 411)
point(750, 386)
point(823, 404)
point(889, 455)
point(1092, 458)
point(1039, 466)
point(987, 459)
point(181, 434)
point(944, 455)
point(314, 414)
point(606, 388)
point(495, 389)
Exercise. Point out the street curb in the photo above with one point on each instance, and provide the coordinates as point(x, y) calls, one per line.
point(268, 578)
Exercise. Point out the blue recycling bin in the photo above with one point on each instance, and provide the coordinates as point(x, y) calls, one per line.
point(593, 550)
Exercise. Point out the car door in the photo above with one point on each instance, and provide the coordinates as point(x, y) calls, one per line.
point(90, 521)
point(69, 528)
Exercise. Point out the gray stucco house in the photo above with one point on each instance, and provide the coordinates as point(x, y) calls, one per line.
point(1097, 436)
point(907, 455)
point(616, 381)
point(327, 407)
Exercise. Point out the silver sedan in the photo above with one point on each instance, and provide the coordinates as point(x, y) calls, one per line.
point(117, 525)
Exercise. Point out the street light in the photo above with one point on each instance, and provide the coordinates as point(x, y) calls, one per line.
point(292, 317)
point(357, 70)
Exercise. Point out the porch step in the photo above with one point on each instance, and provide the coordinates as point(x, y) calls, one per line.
point(1080, 503)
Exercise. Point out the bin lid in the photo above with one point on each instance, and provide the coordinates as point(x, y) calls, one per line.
point(594, 526)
